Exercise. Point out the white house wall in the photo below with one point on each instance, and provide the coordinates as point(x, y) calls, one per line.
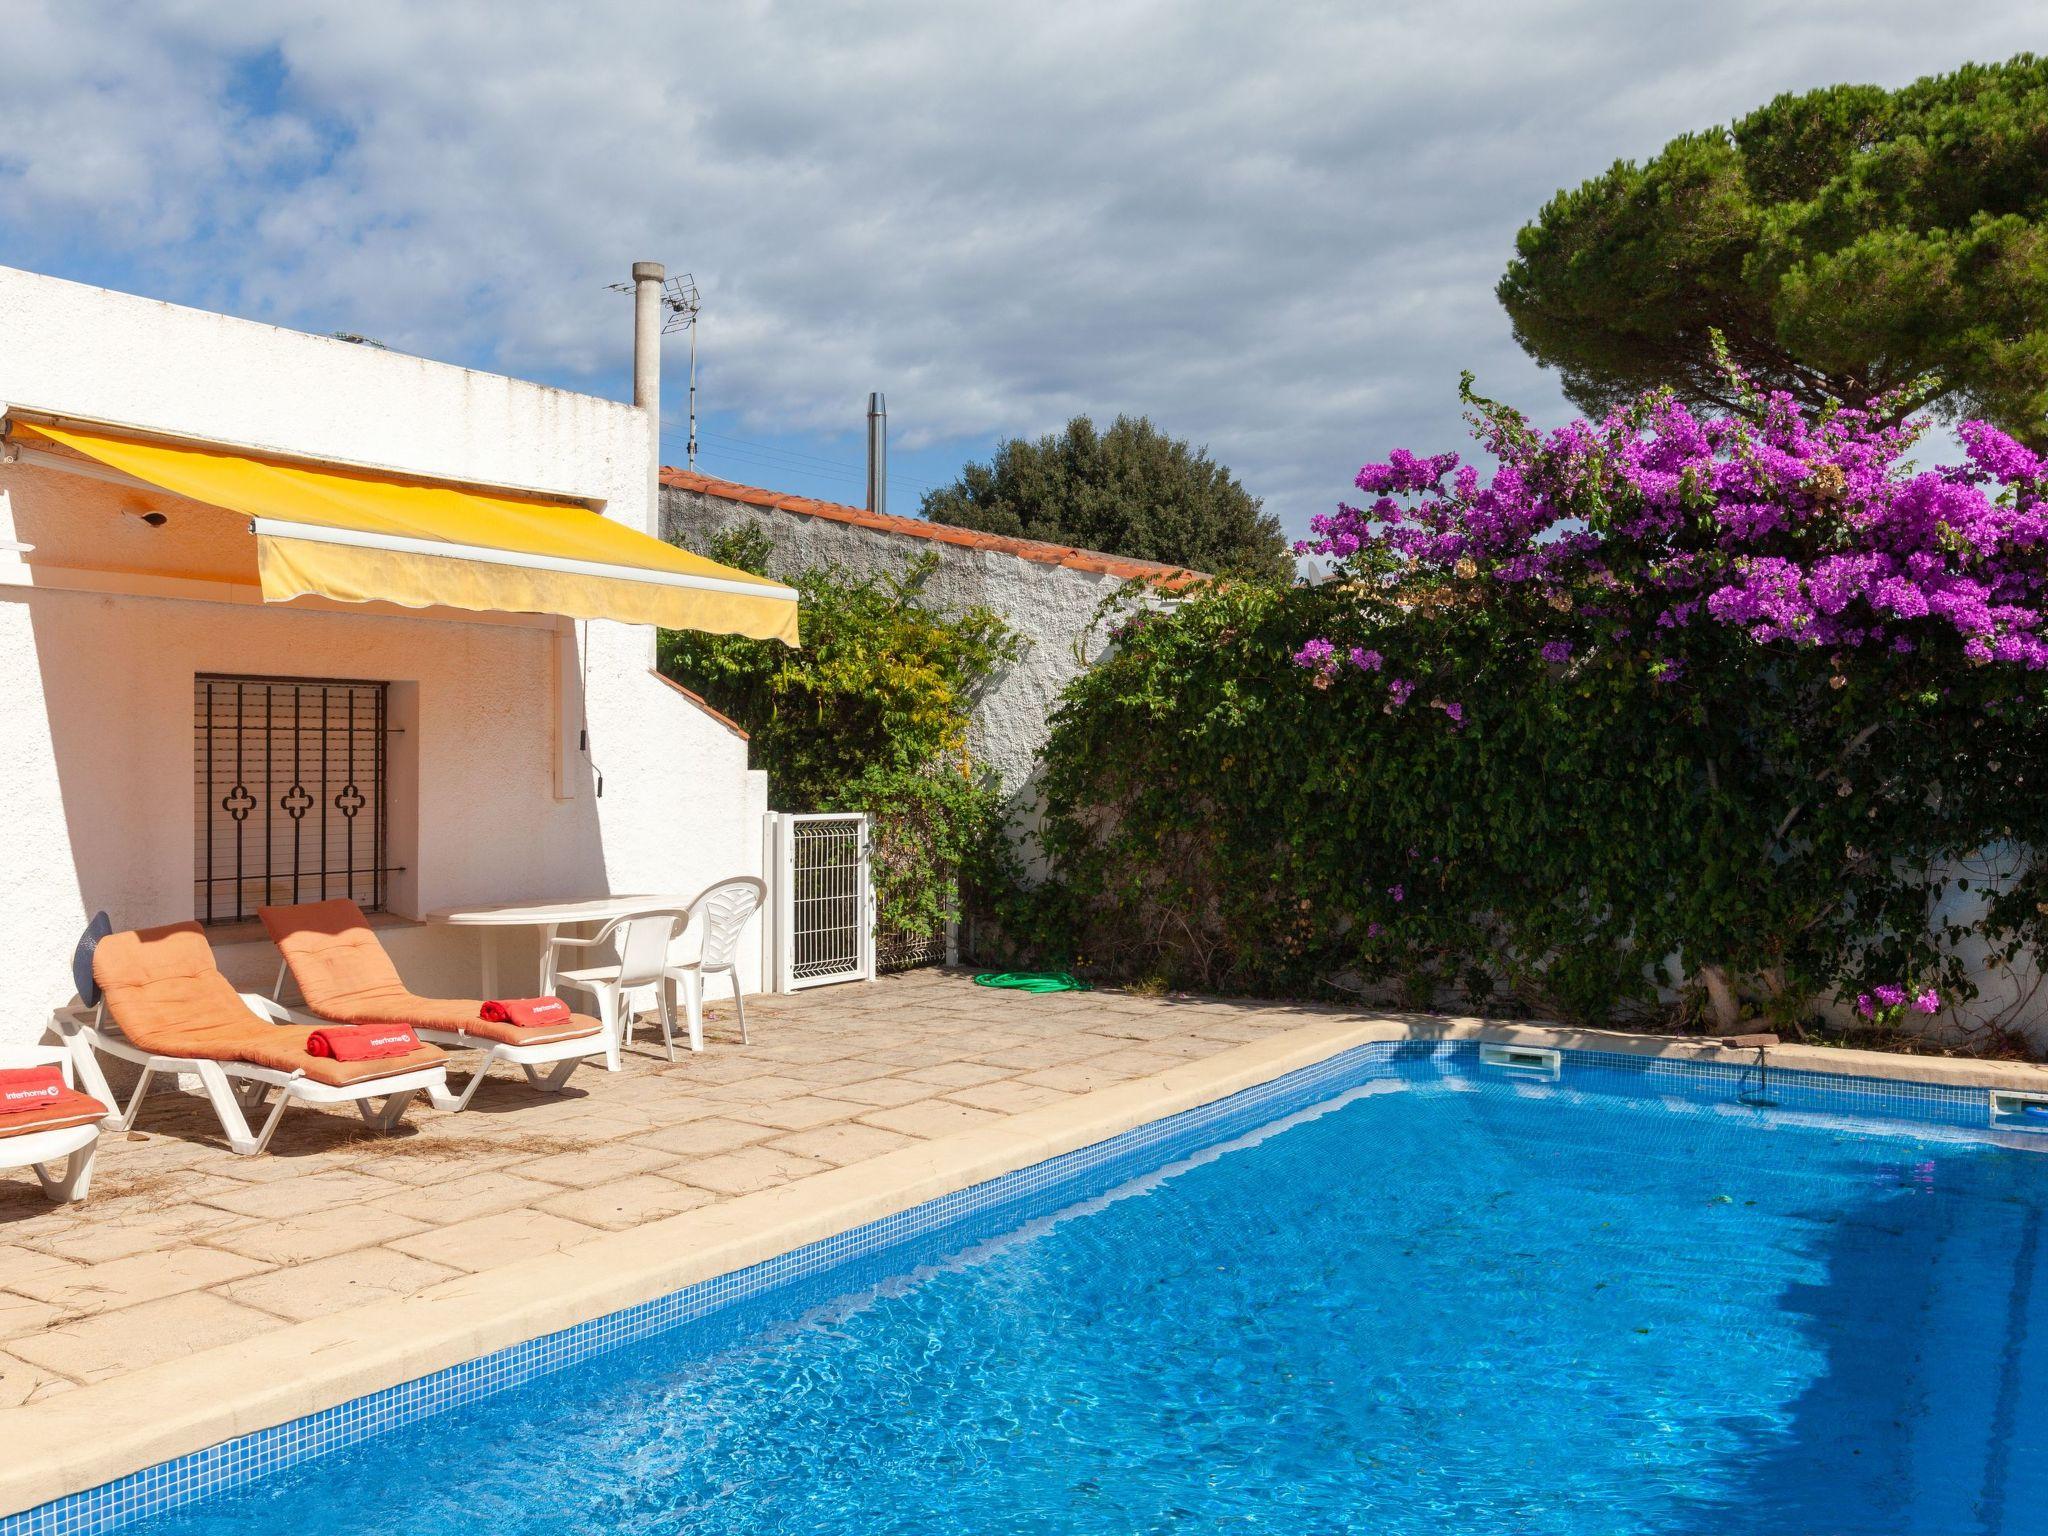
point(96, 730)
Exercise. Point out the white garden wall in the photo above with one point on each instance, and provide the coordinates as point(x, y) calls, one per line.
point(1054, 603)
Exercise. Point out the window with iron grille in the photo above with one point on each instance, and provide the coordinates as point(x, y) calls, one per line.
point(290, 776)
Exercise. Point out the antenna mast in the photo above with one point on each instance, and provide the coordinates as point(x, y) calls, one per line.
point(680, 304)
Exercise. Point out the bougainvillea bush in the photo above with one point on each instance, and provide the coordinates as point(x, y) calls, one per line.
point(1741, 713)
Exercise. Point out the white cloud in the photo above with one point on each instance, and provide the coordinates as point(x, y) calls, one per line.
point(1274, 228)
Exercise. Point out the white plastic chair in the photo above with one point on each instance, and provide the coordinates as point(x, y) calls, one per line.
point(721, 913)
point(40, 1151)
point(641, 941)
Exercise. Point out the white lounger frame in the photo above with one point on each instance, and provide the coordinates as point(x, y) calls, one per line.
point(564, 1056)
point(236, 1087)
point(39, 1151)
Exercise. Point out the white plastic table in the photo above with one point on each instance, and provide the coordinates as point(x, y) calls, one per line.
point(550, 917)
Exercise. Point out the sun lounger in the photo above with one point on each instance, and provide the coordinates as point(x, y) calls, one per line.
point(66, 1127)
point(159, 1001)
point(345, 975)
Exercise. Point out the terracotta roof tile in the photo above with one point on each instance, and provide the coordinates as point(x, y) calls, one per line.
point(1170, 577)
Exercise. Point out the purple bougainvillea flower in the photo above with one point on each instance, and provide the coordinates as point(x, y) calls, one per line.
point(1928, 1001)
point(1890, 996)
point(1791, 529)
point(1316, 655)
point(1557, 650)
point(1399, 690)
point(1864, 1005)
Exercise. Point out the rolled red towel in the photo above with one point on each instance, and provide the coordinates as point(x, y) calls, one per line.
point(362, 1042)
point(526, 1012)
point(26, 1088)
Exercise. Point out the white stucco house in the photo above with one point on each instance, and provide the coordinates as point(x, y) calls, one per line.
point(228, 678)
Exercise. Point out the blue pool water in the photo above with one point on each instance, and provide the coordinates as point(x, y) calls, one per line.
point(1441, 1303)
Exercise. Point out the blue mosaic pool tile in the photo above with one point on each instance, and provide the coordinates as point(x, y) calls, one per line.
point(943, 1225)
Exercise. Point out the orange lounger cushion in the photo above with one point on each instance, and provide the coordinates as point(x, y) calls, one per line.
point(167, 996)
point(345, 975)
point(67, 1109)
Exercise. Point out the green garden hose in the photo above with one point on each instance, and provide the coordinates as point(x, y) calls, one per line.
point(1033, 981)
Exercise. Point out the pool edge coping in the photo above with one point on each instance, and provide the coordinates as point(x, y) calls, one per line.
point(103, 1431)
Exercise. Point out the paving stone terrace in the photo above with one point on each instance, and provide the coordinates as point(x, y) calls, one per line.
point(184, 1246)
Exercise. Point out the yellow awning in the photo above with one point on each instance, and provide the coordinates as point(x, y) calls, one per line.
point(356, 538)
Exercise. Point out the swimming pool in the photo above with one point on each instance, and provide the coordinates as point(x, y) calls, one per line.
point(1411, 1295)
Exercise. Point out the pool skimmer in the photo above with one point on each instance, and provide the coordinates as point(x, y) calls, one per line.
point(1524, 1060)
point(2019, 1111)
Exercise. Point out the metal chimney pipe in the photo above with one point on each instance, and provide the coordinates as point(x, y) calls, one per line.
point(647, 280)
point(878, 454)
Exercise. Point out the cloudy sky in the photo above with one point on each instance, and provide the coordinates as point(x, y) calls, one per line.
point(1274, 228)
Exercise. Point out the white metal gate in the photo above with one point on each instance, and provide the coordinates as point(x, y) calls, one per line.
point(824, 898)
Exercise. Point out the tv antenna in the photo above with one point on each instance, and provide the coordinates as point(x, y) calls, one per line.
point(680, 306)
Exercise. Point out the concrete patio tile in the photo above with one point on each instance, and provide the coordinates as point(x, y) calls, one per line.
point(1009, 1097)
point(19, 1315)
point(932, 1118)
point(832, 1074)
point(718, 1067)
point(19, 1264)
point(1237, 1031)
point(462, 1199)
point(286, 1198)
point(138, 1278)
point(914, 1055)
point(705, 1138)
point(338, 1282)
point(666, 1102)
point(1137, 1060)
point(894, 1038)
point(1084, 1078)
point(1186, 1047)
point(485, 1242)
point(587, 1126)
point(1030, 1058)
point(101, 1241)
point(796, 1053)
point(626, 1202)
point(132, 1338)
point(749, 1169)
point(443, 1162)
point(596, 1165)
point(880, 1092)
point(272, 1167)
point(765, 1089)
point(795, 1114)
point(842, 1144)
point(957, 1074)
point(139, 1188)
point(1140, 1026)
point(21, 1382)
point(318, 1234)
